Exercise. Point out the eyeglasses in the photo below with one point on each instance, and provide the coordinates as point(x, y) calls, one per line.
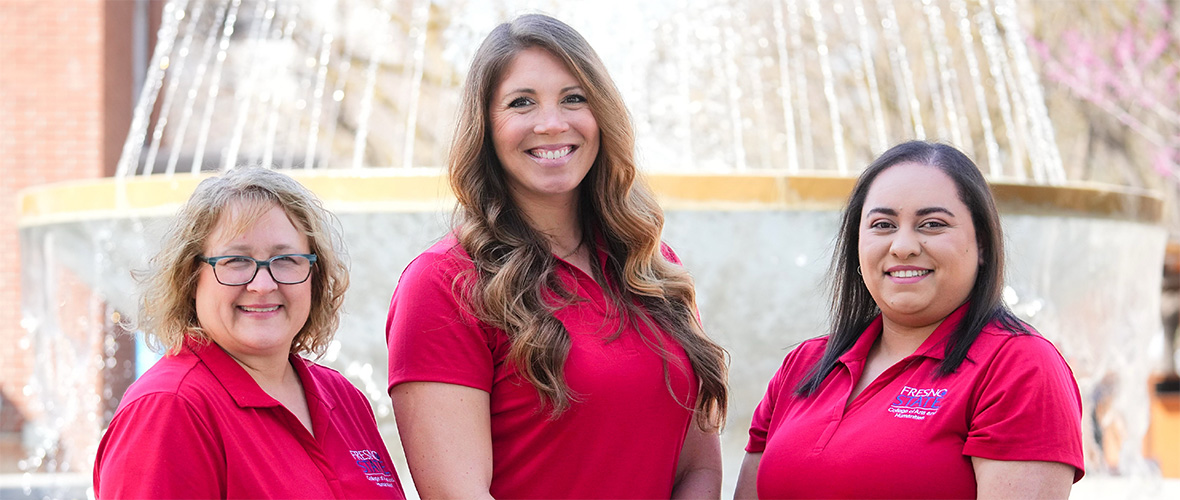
point(286, 269)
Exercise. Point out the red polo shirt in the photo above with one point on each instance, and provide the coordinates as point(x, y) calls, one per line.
point(622, 436)
point(196, 425)
point(911, 434)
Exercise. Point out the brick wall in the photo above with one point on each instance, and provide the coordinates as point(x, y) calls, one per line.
point(65, 104)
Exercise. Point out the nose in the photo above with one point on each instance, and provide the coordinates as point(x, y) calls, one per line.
point(263, 281)
point(551, 120)
point(905, 244)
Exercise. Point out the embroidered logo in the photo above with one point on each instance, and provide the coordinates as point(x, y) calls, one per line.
point(374, 468)
point(917, 404)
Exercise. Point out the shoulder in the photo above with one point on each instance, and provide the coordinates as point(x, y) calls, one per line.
point(181, 375)
point(799, 362)
point(1031, 360)
point(810, 349)
point(996, 341)
point(440, 263)
point(165, 407)
point(435, 269)
point(445, 255)
point(430, 284)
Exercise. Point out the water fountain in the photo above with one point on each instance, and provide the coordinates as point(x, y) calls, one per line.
point(753, 120)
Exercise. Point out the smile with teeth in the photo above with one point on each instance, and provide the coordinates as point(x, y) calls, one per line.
point(551, 154)
point(910, 273)
point(259, 309)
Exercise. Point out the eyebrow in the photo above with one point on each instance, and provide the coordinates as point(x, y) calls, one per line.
point(920, 213)
point(276, 249)
point(533, 91)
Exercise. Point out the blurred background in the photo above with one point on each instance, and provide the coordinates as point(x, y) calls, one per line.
point(753, 119)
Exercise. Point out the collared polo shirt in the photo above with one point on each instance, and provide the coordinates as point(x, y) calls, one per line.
point(621, 436)
point(911, 433)
point(196, 425)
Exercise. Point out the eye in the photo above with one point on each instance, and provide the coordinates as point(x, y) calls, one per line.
point(574, 99)
point(284, 259)
point(520, 102)
point(933, 224)
point(236, 262)
point(881, 224)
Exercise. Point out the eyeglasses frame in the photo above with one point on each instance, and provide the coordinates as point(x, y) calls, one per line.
point(259, 264)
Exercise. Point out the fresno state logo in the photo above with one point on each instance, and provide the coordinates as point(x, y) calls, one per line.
point(917, 404)
point(374, 468)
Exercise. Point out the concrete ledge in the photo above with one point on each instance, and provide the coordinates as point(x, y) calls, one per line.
point(426, 190)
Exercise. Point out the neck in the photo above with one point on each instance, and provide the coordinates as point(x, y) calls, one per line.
point(269, 372)
point(557, 220)
point(898, 341)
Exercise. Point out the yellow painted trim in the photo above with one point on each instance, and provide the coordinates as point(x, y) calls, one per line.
point(1104, 200)
point(418, 190)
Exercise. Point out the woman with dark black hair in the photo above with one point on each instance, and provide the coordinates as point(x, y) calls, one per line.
point(927, 385)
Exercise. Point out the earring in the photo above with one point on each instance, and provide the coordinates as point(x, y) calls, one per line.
point(858, 270)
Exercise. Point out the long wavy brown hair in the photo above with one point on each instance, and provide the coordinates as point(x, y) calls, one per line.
point(515, 287)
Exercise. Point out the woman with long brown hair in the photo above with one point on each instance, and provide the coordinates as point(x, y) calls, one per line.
point(549, 347)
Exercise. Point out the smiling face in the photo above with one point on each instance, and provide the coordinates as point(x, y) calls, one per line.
point(543, 131)
point(918, 252)
point(261, 318)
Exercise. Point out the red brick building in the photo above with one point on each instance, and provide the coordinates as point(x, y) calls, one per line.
point(67, 87)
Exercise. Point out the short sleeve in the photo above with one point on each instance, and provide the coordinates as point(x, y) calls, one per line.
point(1027, 407)
point(763, 414)
point(159, 447)
point(760, 422)
point(431, 337)
point(781, 388)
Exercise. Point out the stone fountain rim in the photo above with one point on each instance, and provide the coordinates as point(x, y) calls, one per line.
point(370, 190)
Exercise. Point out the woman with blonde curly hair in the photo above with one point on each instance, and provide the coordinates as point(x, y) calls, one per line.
point(250, 277)
point(549, 347)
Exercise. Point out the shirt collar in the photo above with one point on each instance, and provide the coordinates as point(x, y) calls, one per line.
point(860, 350)
point(241, 386)
point(933, 347)
point(311, 385)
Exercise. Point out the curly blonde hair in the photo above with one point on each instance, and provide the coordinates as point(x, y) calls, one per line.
point(168, 312)
point(513, 264)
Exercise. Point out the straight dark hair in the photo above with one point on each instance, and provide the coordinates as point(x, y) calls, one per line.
point(853, 309)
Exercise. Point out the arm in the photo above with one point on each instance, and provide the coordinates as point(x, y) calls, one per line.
point(446, 434)
point(698, 471)
point(1026, 426)
point(1001, 479)
point(747, 485)
point(159, 447)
